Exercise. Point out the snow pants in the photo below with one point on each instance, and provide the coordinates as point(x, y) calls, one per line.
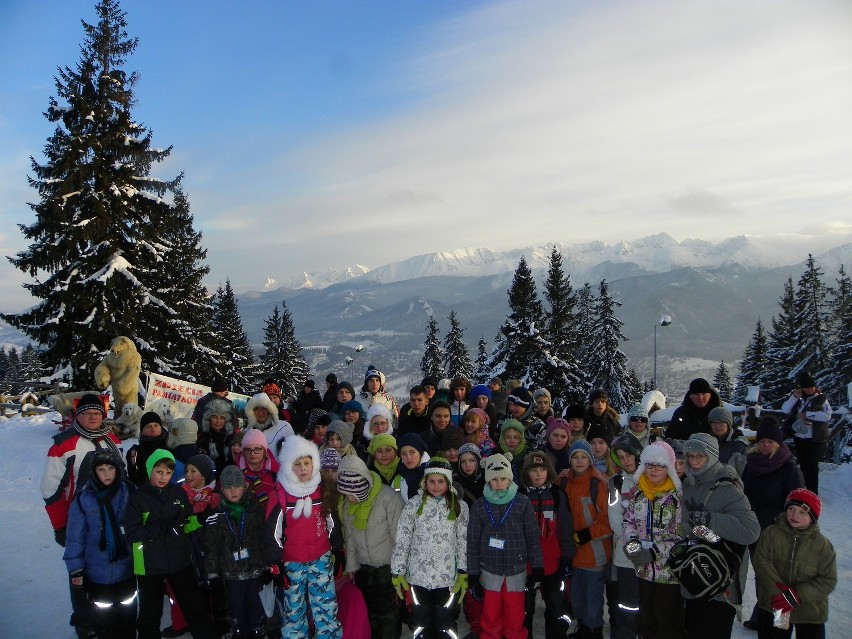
point(382, 602)
point(587, 596)
point(114, 609)
point(192, 600)
point(625, 603)
point(433, 613)
point(660, 610)
point(556, 618)
point(245, 611)
point(709, 619)
point(503, 614)
point(311, 585)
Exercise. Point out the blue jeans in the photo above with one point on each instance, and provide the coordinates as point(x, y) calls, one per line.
point(587, 596)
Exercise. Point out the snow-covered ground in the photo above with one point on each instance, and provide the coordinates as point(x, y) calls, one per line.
point(34, 592)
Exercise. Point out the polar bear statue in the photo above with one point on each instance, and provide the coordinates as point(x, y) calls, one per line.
point(120, 368)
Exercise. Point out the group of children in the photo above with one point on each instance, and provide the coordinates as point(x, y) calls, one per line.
point(478, 525)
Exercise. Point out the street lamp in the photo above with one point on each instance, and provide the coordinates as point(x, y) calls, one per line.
point(665, 320)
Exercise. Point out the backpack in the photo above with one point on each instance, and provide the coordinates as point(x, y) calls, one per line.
point(704, 570)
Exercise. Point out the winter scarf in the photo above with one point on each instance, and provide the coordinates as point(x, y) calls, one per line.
point(650, 491)
point(500, 497)
point(112, 538)
point(412, 477)
point(95, 435)
point(759, 465)
point(199, 498)
point(301, 490)
point(235, 510)
point(561, 459)
point(387, 471)
point(361, 510)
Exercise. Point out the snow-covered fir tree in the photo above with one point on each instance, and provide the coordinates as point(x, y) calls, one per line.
point(560, 371)
point(781, 351)
point(518, 347)
point(753, 365)
point(837, 373)
point(585, 327)
point(236, 360)
point(456, 356)
point(433, 355)
point(722, 381)
point(10, 370)
point(283, 360)
point(811, 322)
point(95, 255)
point(481, 373)
point(607, 362)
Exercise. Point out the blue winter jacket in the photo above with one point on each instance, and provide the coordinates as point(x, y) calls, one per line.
point(83, 537)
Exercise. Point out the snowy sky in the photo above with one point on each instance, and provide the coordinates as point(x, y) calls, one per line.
point(333, 133)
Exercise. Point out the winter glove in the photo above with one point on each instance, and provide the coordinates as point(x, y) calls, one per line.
point(582, 537)
point(476, 589)
point(460, 586)
point(77, 579)
point(534, 579)
point(400, 585)
point(565, 568)
point(59, 536)
point(639, 556)
point(785, 600)
point(699, 518)
point(278, 576)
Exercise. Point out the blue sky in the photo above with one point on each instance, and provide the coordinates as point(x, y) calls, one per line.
point(317, 134)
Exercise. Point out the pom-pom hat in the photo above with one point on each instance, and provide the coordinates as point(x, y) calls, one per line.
point(520, 396)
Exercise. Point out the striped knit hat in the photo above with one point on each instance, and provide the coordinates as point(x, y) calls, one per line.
point(353, 477)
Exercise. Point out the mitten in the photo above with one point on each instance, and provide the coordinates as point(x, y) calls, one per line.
point(534, 578)
point(565, 568)
point(785, 600)
point(639, 556)
point(400, 585)
point(461, 583)
point(582, 537)
point(476, 589)
point(77, 579)
point(699, 518)
point(59, 536)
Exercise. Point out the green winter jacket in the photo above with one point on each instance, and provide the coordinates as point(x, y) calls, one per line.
point(803, 559)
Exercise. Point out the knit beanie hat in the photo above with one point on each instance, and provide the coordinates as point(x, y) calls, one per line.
point(629, 443)
point(520, 396)
point(496, 380)
point(183, 431)
point(452, 438)
point(412, 439)
point(331, 378)
point(537, 459)
point(353, 405)
point(581, 447)
point(497, 466)
point(637, 411)
point(702, 444)
point(575, 411)
point(232, 477)
point(219, 385)
point(557, 423)
point(661, 454)
point(380, 441)
point(699, 385)
point(598, 431)
point(107, 457)
point(481, 413)
point(677, 447)
point(329, 459)
point(479, 389)
point(473, 449)
point(354, 478)
point(804, 380)
point(541, 392)
point(438, 466)
point(347, 386)
point(235, 438)
point(342, 429)
point(156, 457)
point(721, 414)
point(805, 499)
point(511, 424)
point(90, 401)
point(768, 428)
point(598, 393)
point(512, 384)
point(150, 418)
point(271, 388)
point(440, 403)
point(254, 438)
point(429, 381)
point(205, 466)
point(373, 373)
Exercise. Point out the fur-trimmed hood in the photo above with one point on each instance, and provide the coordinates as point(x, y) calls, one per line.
point(218, 406)
point(293, 449)
point(260, 400)
point(377, 409)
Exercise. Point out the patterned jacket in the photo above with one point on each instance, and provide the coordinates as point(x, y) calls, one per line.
point(430, 549)
point(657, 522)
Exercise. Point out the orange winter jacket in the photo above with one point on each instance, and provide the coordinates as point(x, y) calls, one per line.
point(592, 516)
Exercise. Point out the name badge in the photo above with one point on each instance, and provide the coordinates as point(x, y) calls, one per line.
point(493, 542)
point(548, 515)
point(241, 554)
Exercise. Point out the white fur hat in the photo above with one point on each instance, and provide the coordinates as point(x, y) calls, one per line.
point(660, 453)
point(261, 400)
point(383, 411)
point(293, 449)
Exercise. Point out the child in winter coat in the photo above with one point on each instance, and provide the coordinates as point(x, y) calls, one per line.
point(339, 437)
point(234, 535)
point(651, 527)
point(370, 513)
point(152, 436)
point(259, 467)
point(413, 457)
point(797, 569)
point(550, 505)
point(153, 523)
point(475, 424)
point(502, 542)
point(214, 429)
point(430, 552)
point(592, 537)
point(470, 478)
point(599, 439)
point(303, 540)
point(512, 441)
point(379, 421)
point(558, 443)
point(384, 460)
point(96, 551)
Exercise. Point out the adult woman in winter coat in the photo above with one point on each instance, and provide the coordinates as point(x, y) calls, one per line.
point(713, 497)
point(214, 429)
point(691, 416)
point(732, 442)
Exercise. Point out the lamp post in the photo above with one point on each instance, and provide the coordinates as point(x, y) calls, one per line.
point(665, 320)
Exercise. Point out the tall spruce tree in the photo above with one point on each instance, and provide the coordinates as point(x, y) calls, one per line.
point(95, 255)
point(283, 360)
point(811, 321)
point(481, 373)
point(11, 370)
point(456, 356)
point(518, 346)
point(608, 363)
point(837, 372)
point(781, 351)
point(433, 355)
point(236, 360)
point(560, 371)
point(585, 328)
point(753, 366)
point(722, 381)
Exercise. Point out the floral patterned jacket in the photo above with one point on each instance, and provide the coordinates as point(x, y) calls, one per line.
point(654, 522)
point(430, 549)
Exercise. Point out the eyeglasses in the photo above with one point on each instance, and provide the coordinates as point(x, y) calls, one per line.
point(656, 466)
point(255, 450)
point(639, 419)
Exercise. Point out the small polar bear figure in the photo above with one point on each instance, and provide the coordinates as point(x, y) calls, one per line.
point(120, 369)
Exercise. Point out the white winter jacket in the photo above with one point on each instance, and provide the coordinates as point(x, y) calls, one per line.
point(430, 549)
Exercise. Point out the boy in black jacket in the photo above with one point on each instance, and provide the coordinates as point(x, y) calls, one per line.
point(153, 524)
